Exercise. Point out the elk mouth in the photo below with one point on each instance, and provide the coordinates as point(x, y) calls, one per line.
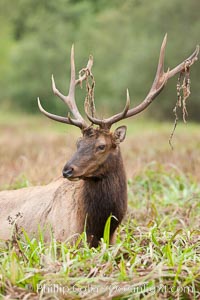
point(74, 178)
point(83, 178)
point(71, 176)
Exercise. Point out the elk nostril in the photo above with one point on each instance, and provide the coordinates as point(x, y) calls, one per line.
point(67, 173)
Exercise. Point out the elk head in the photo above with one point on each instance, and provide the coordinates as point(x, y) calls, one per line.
point(94, 150)
point(98, 144)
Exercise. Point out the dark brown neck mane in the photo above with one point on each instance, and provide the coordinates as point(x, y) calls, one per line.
point(105, 196)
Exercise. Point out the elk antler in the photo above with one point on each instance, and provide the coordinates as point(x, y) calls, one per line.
point(70, 98)
point(157, 86)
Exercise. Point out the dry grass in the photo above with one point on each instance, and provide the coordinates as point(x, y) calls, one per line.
point(35, 150)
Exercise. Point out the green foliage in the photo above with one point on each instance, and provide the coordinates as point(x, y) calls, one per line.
point(106, 234)
point(123, 36)
point(18, 183)
point(156, 252)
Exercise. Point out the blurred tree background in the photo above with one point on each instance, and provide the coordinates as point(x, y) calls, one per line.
point(123, 36)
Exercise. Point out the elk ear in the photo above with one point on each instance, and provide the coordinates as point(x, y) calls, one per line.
point(120, 134)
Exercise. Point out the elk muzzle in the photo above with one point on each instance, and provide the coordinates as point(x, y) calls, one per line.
point(70, 172)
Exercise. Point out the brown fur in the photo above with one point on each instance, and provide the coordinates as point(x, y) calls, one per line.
point(105, 196)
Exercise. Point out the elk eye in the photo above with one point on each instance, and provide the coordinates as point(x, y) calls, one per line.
point(101, 147)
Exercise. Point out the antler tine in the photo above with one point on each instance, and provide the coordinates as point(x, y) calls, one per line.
point(128, 101)
point(71, 95)
point(121, 115)
point(160, 68)
point(70, 98)
point(59, 118)
point(56, 91)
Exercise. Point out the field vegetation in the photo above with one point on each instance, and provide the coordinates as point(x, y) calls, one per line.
point(157, 250)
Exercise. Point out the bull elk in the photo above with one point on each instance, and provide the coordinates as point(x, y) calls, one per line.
point(96, 187)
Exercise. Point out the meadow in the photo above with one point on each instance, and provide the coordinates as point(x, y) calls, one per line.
point(157, 250)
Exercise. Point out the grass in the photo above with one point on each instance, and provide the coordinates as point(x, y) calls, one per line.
point(157, 250)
